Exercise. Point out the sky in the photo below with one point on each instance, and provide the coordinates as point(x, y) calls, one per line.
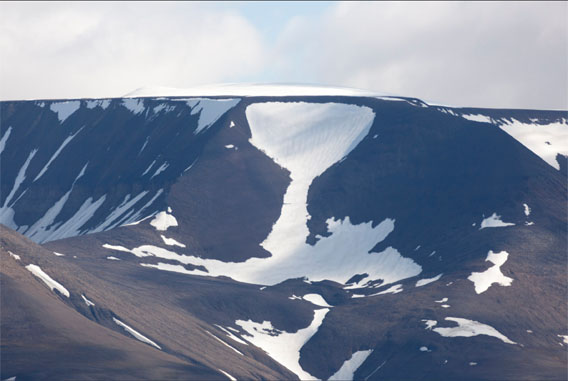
point(479, 54)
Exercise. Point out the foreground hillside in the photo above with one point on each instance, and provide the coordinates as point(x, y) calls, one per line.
point(269, 235)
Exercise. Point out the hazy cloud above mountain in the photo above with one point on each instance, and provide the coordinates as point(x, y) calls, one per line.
point(478, 54)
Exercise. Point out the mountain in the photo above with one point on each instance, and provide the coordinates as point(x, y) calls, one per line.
point(281, 232)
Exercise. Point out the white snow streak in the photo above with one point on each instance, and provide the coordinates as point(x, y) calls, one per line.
point(171, 241)
point(15, 256)
point(425, 281)
point(87, 301)
point(349, 367)
point(527, 210)
point(162, 168)
point(484, 280)
point(49, 281)
point(225, 344)
point(283, 347)
point(54, 156)
point(5, 139)
point(136, 334)
point(477, 118)
point(227, 374)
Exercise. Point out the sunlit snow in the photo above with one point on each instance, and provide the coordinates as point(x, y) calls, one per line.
point(136, 334)
point(485, 279)
point(494, 221)
point(545, 140)
point(425, 281)
point(163, 221)
point(283, 347)
point(349, 367)
point(467, 328)
point(209, 110)
point(49, 281)
point(316, 299)
point(171, 241)
point(87, 301)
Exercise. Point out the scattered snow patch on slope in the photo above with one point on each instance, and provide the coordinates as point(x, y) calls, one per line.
point(136, 106)
point(283, 347)
point(171, 241)
point(545, 140)
point(349, 367)
point(425, 281)
point(484, 280)
point(210, 110)
point(163, 221)
point(54, 156)
point(494, 221)
point(64, 109)
point(316, 299)
point(468, 328)
point(49, 281)
point(136, 334)
point(5, 139)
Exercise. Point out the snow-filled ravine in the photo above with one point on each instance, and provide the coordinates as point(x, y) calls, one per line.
point(306, 139)
point(283, 347)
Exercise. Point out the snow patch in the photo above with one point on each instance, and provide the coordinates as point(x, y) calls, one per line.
point(425, 281)
point(478, 118)
point(231, 335)
point(283, 347)
point(225, 344)
point(171, 241)
point(484, 280)
point(58, 254)
point(113, 258)
point(64, 109)
point(102, 103)
point(137, 335)
point(15, 256)
point(545, 140)
point(527, 210)
point(227, 374)
point(49, 281)
point(136, 106)
point(163, 221)
point(210, 110)
point(316, 299)
point(162, 168)
point(468, 328)
point(494, 221)
point(87, 301)
point(5, 139)
point(350, 366)
point(54, 156)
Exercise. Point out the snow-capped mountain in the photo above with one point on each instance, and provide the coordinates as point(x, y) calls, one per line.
point(279, 232)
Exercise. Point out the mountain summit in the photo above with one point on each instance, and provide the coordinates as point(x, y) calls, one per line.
point(281, 232)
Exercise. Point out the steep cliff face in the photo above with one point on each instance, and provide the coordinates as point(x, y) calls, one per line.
point(315, 235)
